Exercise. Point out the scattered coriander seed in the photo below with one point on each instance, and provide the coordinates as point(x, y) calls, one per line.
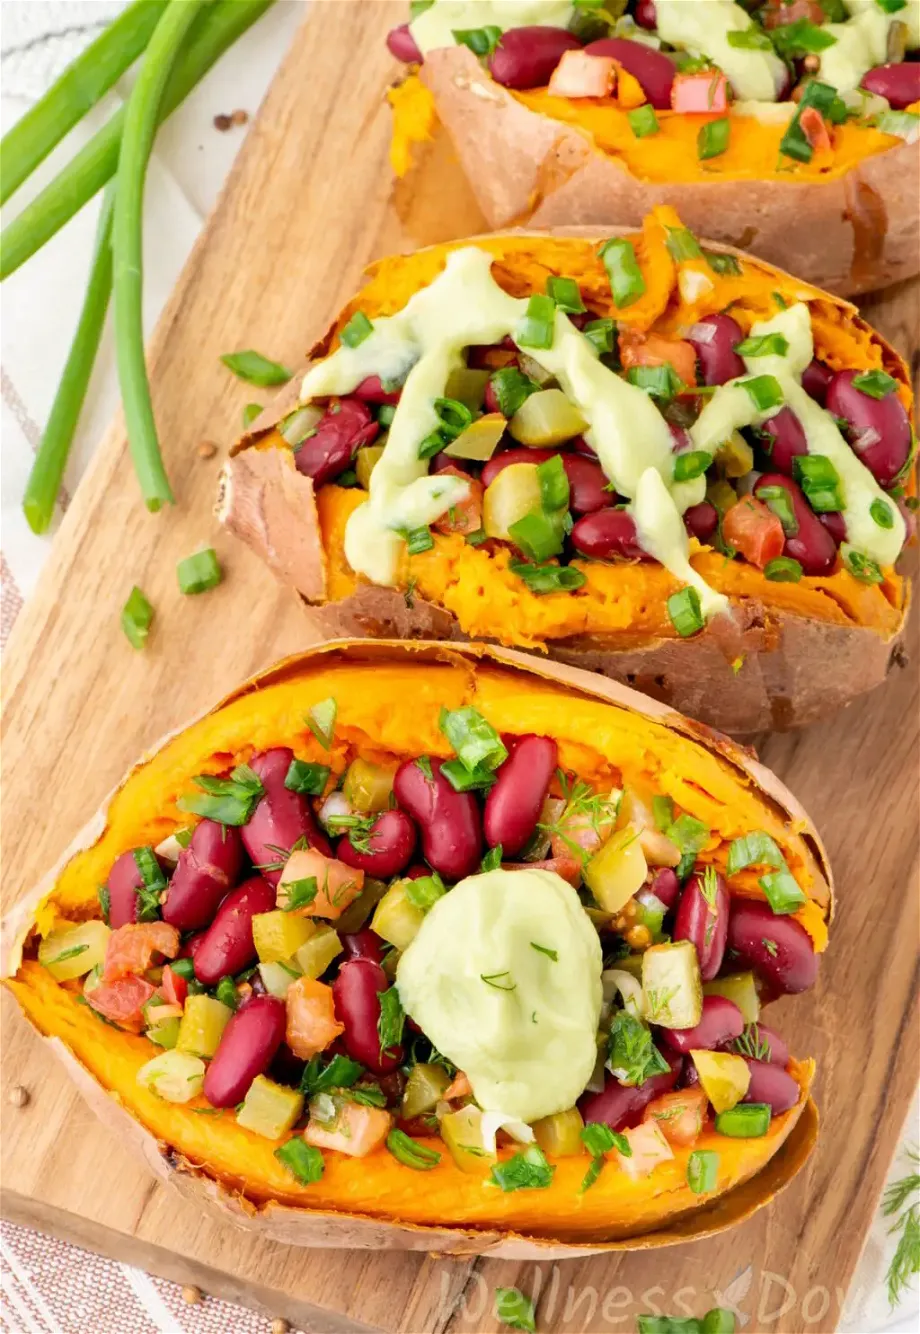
point(240, 117)
point(222, 122)
point(207, 449)
point(18, 1095)
point(191, 1295)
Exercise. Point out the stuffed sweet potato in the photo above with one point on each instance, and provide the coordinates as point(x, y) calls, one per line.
point(787, 128)
point(419, 946)
point(667, 462)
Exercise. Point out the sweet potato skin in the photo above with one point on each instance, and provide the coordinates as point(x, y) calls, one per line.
point(222, 1167)
point(849, 235)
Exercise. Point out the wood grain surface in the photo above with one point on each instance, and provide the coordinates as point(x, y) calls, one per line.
point(310, 202)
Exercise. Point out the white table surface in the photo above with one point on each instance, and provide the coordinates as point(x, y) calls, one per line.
point(39, 309)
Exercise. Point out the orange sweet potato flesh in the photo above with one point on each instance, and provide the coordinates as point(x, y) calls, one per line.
point(389, 699)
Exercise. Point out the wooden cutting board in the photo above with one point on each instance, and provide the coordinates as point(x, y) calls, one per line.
point(310, 201)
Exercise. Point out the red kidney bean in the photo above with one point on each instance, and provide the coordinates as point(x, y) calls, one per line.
point(123, 883)
point(701, 520)
point(721, 1022)
point(498, 462)
point(364, 944)
point(645, 15)
point(391, 842)
point(789, 964)
point(449, 821)
point(815, 380)
point(336, 440)
point(403, 45)
point(526, 57)
point(782, 439)
point(706, 925)
point(247, 1046)
point(588, 485)
point(192, 946)
point(680, 438)
point(777, 1052)
point(666, 886)
point(621, 1107)
point(444, 463)
point(654, 71)
point(717, 357)
point(226, 947)
point(772, 1085)
point(812, 545)
point(281, 818)
point(885, 416)
point(606, 534)
point(205, 871)
point(580, 445)
point(371, 390)
point(900, 83)
point(356, 995)
point(513, 805)
point(835, 524)
point(417, 872)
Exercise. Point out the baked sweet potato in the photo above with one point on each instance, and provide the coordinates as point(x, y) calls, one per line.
point(798, 620)
point(603, 785)
point(805, 151)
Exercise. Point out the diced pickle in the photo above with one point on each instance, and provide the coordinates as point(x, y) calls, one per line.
point(545, 419)
point(176, 1076)
point(396, 919)
point(279, 935)
point(425, 1087)
point(534, 371)
point(357, 913)
point(559, 1135)
point(74, 951)
point(514, 494)
point(672, 989)
point(724, 1077)
point(203, 1022)
point(721, 494)
point(467, 386)
point(367, 786)
point(277, 977)
point(617, 870)
point(366, 460)
point(735, 456)
point(740, 988)
point(270, 1109)
point(317, 954)
point(480, 439)
point(165, 1034)
point(462, 1133)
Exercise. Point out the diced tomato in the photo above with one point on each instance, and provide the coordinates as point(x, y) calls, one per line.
point(122, 1002)
point(815, 129)
point(639, 349)
point(754, 530)
point(467, 516)
point(371, 390)
point(337, 885)
point(311, 1021)
point(459, 1088)
point(581, 75)
point(568, 867)
point(780, 12)
point(649, 1148)
point(679, 1116)
point(357, 1131)
point(704, 93)
point(174, 987)
point(132, 948)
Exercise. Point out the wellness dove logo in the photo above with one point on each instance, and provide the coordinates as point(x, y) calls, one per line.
point(731, 1296)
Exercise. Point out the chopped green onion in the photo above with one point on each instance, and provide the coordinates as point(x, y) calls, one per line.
point(302, 1160)
point(902, 124)
point(682, 244)
point(764, 391)
point(250, 412)
point(538, 536)
point(750, 39)
point(891, 6)
point(818, 478)
point(766, 345)
point(419, 540)
point(685, 612)
point(724, 265)
point(688, 833)
point(693, 463)
point(476, 539)
point(877, 384)
point(702, 1171)
point(340, 1072)
point(492, 860)
point(602, 333)
point(882, 513)
point(823, 98)
point(794, 40)
point(542, 579)
point(783, 892)
point(538, 327)
point(136, 618)
point(783, 570)
point(474, 739)
point(321, 721)
point(515, 1310)
point(660, 381)
point(511, 387)
point(300, 893)
point(309, 779)
point(391, 1022)
point(481, 41)
point(424, 892)
point(347, 478)
point(462, 779)
point(431, 445)
point(225, 991)
point(643, 121)
point(227, 800)
point(454, 417)
point(778, 499)
point(860, 566)
point(749, 1120)
point(255, 369)
point(713, 138)
point(198, 573)
point(385, 414)
point(356, 330)
point(719, 1320)
point(528, 1170)
point(599, 1139)
point(626, 281)
point(183, 968)
point(663, 813)
point(564, 292)
point(410, 1153)
point(554, 484)
point(754, 849)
